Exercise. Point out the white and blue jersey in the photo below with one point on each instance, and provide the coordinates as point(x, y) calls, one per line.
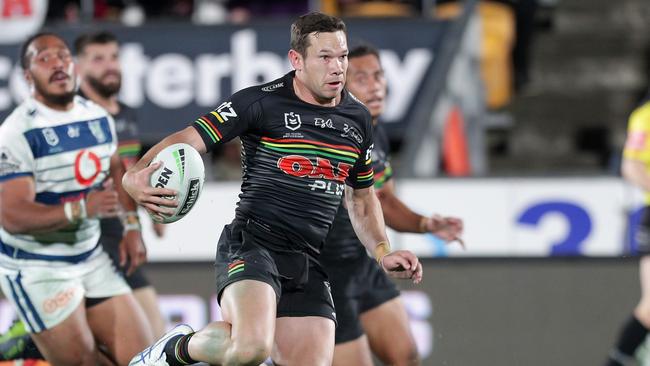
point(67, 154)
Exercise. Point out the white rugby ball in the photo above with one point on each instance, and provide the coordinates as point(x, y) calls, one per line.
point(182, 170)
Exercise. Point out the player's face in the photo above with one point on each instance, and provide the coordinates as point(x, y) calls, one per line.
point(99, 67)
point(325, 64)
point(367, 82)
point(51, 71)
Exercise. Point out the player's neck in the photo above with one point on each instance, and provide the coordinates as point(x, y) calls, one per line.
point(306, 95)
point(55, 105)
point(109, 103)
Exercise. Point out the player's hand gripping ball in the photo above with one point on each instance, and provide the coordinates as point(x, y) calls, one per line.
point(182, 170)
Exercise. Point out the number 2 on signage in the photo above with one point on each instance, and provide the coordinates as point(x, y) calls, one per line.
point(577, 218)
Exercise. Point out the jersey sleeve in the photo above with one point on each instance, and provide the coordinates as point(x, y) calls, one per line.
point(361, 175)
point(230, 119)
point(637, 144)
point(16, 158)
point(129, 145)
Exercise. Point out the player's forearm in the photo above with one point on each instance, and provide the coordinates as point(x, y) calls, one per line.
point(397, 215)
point(187, 135)
point(32, 217)
point(366, 217)
point(636, 173)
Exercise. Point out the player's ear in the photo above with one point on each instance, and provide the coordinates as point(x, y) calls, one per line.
point(296, 60)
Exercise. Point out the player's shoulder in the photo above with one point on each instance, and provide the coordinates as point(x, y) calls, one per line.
point(352, 102)
point(19, 119)
point(89, 107)
point(252, 94)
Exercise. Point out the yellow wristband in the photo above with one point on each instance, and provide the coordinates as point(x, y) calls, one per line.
point(381, 250)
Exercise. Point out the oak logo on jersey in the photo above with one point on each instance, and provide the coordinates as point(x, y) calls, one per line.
point(292, 121)
point(224, 111)
point(300, 166)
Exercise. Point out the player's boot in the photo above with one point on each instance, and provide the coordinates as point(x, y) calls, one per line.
point(155, 355)
point(14, 341)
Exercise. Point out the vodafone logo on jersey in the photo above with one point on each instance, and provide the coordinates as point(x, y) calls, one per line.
point(86, 167)
point(300, 166)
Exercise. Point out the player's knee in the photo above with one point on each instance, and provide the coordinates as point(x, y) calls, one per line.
point(251, 352)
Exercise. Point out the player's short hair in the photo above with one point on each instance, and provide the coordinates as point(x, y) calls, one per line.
point(363, 49)
point(24, 61)
point(310, 23)
point(84, 40)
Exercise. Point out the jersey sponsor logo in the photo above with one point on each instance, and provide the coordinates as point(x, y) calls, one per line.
point(352, 132)
point(8, 164)
point(324, 123)
point(300, 166)
point(97, 131)
point(86, 167)
point(58, 301)
point(73, 131)
point(270, 88)
point(369, 151)
point(292, 121)
point(50, 135)
point(225, 110)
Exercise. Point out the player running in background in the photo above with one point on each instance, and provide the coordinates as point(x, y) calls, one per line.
point(99, 68)
point(56, 150)
point(270, 284)
point(635, 169)
point(368, 308)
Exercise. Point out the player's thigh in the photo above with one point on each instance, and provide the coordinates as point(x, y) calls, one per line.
point(388, 331)
point(120, 324)
point(250, 307)
point(70, 342)
point(353, 353)
point(307, 340)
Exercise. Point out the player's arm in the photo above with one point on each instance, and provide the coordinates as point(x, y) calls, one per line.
point(400, 217)
point(136, 179)
point(21, 214)
point(636, 172)
point(368, 222)
point(131, 247)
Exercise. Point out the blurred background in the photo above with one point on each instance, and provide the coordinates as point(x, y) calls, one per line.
point(510, 114)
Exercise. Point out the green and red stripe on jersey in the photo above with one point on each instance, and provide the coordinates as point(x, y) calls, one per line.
point(209, 127)
point(345, 153)
point(129, 148)
point(365, 176)
point(235, 267)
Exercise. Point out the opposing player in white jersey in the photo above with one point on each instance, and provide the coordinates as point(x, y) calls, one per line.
point(56, 150)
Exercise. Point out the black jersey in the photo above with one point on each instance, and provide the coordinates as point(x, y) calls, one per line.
point(296, 157)
point(342, 242)
point(128, 147)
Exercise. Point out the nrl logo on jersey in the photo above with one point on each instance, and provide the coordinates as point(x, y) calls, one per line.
point(96, 129)
point(270, 88)
point(50, 135)
point(292, 121)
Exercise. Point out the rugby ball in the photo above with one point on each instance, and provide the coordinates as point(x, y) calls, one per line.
point(182, 170)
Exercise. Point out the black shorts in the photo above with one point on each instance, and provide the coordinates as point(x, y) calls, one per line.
point(299, 282)
point(642, 234)
point(358, 285)
point(111, 245)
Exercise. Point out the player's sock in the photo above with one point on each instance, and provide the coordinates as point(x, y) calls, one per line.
point(631, 337)
point(177, 352)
